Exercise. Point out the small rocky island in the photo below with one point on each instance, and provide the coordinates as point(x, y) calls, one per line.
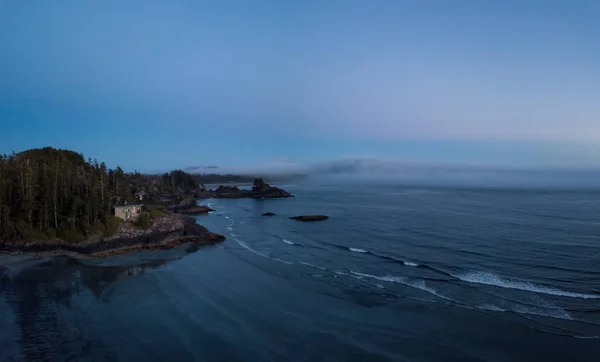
point(260, 190)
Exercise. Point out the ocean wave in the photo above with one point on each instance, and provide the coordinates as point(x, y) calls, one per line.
point(312, 265)
point(417, 284)
point(385, 278)
point(288, 242)
point(410, 263)
point(358, 250)
point(247, 247)
point(489, 278)
point(553, 312)
point(541, 311)
point(492, 308)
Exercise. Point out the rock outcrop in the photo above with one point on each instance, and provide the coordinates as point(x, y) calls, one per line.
point(189, 207)
point(166, 232)
point(260, 190)
point(310, 218)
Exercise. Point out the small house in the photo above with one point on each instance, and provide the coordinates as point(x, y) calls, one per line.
point(128, 211)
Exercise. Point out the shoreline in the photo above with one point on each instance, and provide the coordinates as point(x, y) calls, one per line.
point(168, 232)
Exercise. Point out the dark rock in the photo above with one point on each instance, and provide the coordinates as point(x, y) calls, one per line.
point(260, 185)
point(310, 218)
point(228, 190)
point(195, 210)
point(189, 207)
point(213, 238)
point(268, 214)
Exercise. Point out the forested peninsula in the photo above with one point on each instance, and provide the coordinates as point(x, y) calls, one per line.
point(55, 200)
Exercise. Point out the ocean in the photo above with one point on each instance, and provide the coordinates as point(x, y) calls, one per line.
point(398, 273)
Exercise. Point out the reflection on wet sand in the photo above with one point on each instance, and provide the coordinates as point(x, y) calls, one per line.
point(35, 301)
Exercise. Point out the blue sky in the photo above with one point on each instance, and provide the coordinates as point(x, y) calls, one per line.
point(153, 85)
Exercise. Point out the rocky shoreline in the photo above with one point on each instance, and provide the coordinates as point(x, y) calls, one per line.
point(167, 232)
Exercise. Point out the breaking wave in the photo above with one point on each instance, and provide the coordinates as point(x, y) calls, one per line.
point(489, 278)
point(358, 250)
point(417, 284)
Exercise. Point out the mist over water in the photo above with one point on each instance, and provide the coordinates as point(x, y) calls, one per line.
point(456, 176)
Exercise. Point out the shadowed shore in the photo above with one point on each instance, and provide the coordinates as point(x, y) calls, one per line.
point(166, 232)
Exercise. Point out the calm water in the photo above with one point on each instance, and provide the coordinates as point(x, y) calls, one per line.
point(397, 273)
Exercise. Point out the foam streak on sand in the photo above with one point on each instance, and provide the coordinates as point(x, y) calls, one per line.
point(488, 278)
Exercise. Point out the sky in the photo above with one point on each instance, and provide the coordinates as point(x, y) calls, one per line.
point(154, 85)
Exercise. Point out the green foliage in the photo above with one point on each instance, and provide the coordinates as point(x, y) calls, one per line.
point(45, 190)
point(112, 226)
point(144, 221)
point(71, 236)
point(156, 212)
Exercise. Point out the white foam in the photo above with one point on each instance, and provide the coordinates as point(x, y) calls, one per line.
point(312, 265)
point(385, 278)
point(410, 263)
point(287, 242)
point(417, 284)
point(488, 278)
point(491, 307)
point(358, 250)
point(553, 312)
point(245, 246)
point(541, 311)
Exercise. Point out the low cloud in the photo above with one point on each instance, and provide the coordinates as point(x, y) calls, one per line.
point(398, 172)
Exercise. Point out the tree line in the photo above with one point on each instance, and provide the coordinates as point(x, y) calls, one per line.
point(47, 193)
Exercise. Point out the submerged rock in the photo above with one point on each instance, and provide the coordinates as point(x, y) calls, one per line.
point(310, 218)
point(268, 214)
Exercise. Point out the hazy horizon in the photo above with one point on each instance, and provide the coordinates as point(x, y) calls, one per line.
point(154, 85)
